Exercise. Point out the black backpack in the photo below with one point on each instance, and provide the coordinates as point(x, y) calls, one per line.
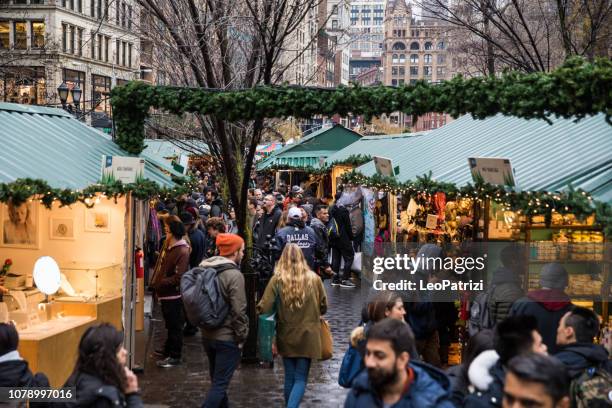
point(203, 300)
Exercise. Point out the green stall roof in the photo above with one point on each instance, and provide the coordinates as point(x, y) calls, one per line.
point(373, 146)
point(164, 149)
point(545, 157)
point(310, 149)
point(50, 144)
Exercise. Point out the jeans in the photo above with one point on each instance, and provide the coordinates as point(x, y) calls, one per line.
point(348, 255)
point(223, 359)
point(174, 317)
point(296, 377)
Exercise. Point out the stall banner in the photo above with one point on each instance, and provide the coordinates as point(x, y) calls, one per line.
point(492, 170)
point(120, 168)
point(369, 200)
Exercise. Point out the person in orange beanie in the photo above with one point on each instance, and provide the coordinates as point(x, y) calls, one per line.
point(223, 344)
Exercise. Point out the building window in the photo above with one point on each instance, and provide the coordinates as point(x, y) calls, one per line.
point(440, 72)
point(64, 38)
point(413, 81)
point(106, 10)
point(402, 58)
point(129, 22)
point(25, 85)
point(93, 45)
point(73, 78)
point(334, 24)
point(428, 46)
point(399, 46)
point(106, 48)
point(117, 51)
point(394, 82)
point(5, 32)
point(72, 40)
point(100, 89)
point(92, 8)
point(441, 59)
point(395, 59)
point(123, 14)
point(427, 71)
point(414, 71)
point(21, 35)
point(79, 5)
point(414, 58)
point(38, 34)
point(441, 45)
point(123, 49)
point(80, 42)
point(402, 71)
point(129, 55)
point(428, 58)
point(400, 82)
point(117, 13)
point(394, 70)
point(414, 46)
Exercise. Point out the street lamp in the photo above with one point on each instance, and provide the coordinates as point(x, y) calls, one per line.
point(62, 91)
point(76, 96)
point(76, 92)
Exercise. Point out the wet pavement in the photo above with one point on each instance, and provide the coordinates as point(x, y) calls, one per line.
point(251, 386)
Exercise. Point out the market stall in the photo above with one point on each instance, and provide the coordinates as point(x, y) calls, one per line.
point(53, 207)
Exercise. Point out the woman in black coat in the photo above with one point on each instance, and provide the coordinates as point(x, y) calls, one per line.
point(100, 376)
point(14, 371)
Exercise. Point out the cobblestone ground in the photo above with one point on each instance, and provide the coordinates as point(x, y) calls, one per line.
point(186, 385)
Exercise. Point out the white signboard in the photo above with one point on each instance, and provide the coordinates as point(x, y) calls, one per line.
point(124, 169)
point(493, 170)
point(384, 166)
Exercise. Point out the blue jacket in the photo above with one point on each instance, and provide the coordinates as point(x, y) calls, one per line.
point(297, 233)
point(430, 389)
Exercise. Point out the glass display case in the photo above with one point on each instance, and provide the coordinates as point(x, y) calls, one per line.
point(82, 282)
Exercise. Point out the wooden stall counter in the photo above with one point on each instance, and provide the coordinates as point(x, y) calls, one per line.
point(52, 347)
point(104, 310)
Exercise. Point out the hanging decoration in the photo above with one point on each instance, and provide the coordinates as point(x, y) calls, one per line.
point(574, 90)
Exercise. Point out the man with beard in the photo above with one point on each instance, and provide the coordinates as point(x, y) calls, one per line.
point(392, 379)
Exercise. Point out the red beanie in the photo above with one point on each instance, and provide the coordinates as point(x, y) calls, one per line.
point(229, 243)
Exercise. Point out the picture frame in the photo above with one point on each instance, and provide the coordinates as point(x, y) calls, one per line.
point(61, 229)
point(97, 220)
point(20, 225)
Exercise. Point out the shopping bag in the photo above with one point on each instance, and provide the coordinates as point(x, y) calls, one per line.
point(327, 342)
point(350, 367)
point(266, 331)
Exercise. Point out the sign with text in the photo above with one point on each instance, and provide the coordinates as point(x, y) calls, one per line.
point(120, 168)
point(384, 166)
point(493, 170)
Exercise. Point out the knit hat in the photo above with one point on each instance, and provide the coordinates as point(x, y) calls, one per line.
point(187, 218)
point(193, 211)
point(228, 243)
point(553, 276)
point(294, 213)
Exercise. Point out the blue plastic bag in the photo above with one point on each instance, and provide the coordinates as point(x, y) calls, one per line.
point(350, 368)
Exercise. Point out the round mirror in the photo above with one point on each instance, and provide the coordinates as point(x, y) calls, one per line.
point(47, 275)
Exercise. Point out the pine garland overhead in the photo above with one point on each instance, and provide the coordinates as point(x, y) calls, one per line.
point(22, 190)
point(576, 89)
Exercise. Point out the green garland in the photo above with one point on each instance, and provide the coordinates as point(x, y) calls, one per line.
point(22, 190)
point(530, 203)
point(354, 160)
point(574, 90)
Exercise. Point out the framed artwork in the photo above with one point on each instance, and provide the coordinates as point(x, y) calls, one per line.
point(19, 225)
point(61, 228)
point(97, 220)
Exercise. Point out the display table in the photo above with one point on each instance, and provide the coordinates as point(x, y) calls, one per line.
point(52, 347)
point(104, 311)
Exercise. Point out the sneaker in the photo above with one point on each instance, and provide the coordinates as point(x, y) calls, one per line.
point(169, 362)
point(336, 282)
point(347, 283)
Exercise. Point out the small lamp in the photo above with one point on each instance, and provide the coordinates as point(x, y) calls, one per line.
point(47, 275)
point(76, 96)
point(62, 91)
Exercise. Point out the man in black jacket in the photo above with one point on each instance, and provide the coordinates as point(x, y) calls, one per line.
point(342, 245)
point(268, 222)
point(319, 225)
point(575, 335)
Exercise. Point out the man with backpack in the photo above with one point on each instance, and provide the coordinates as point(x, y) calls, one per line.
point(588, 365)
point(341, 245)
point(223, 342)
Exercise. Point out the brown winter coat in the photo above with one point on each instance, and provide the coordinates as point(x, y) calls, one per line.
point(174, 263)
point(298, 332)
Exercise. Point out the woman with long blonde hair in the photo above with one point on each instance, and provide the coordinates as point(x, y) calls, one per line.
point(297, 295)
